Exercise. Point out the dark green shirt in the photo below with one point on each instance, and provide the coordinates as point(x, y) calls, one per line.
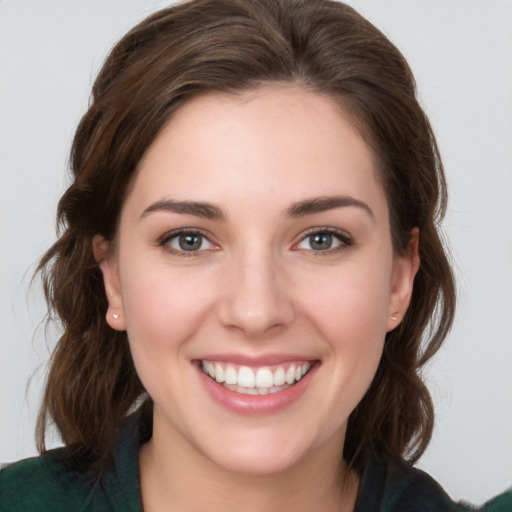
point(46, 484)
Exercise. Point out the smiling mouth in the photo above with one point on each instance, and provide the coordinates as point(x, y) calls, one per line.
point(264, 380)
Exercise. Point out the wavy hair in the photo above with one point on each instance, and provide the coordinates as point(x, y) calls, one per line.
point(229, 46)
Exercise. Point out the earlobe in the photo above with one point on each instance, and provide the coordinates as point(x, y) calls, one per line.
point(106, 260)
point(405, 268)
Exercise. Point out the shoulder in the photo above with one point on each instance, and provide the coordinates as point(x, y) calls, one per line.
point(411, 489)
point(424, 488)
point(43, 483)
point(390, 485)
point(46, 483)
point(51, 483)
point(502, 503)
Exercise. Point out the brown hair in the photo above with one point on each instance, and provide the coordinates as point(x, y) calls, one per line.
point(233, 45)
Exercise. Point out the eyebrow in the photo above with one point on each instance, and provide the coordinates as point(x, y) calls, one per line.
point(299, 209)
point(196, 208)
point(322, 204)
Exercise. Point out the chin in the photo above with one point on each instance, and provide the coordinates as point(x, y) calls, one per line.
point(256, 462)
point(259, 453)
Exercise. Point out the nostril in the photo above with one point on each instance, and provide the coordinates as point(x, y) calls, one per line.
point(255, 299)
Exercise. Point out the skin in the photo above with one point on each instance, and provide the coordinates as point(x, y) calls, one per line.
point(255, 287)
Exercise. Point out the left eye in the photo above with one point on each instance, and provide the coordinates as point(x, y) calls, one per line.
point(322, 241)
point(188, 242)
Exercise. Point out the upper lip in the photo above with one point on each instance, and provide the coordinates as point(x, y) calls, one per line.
point(256, 361)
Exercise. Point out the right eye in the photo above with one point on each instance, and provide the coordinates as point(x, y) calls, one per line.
point(186, 243)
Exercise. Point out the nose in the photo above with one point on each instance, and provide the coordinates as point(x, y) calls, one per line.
point(256, 297)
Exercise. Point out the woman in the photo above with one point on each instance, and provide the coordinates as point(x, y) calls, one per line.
point(249, 249)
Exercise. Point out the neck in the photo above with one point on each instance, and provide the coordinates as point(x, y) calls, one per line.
point(176, 477)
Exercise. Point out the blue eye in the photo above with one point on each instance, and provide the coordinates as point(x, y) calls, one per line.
point(187, 242)
point(324, 240)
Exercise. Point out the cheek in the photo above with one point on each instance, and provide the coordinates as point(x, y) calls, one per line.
point(163, 308)
point(351, 302)
point(356, 331)
point(350, 312)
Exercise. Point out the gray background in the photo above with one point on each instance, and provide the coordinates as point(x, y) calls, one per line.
point(461, 53)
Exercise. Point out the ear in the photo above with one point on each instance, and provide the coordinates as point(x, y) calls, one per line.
point(405, 268)
point(108, 265)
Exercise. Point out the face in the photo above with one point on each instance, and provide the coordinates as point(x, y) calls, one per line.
point(254, 274)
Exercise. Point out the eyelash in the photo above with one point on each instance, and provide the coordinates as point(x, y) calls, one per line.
point(342, 237)
point(165, 240)
point(345, 241)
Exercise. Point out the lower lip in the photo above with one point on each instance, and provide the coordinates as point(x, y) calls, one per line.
point(256, 405)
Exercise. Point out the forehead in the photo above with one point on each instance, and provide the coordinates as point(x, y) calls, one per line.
point(280, 143)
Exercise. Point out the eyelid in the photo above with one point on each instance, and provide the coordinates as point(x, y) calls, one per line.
point(163, 241)
point(344, 237)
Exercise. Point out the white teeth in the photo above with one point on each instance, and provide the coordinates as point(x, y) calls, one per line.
point(246, 378)
point(231, 375)
point(219, 373)
point(262, 381)
point(264, 378)
point(256, 391)
point(279, 377)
